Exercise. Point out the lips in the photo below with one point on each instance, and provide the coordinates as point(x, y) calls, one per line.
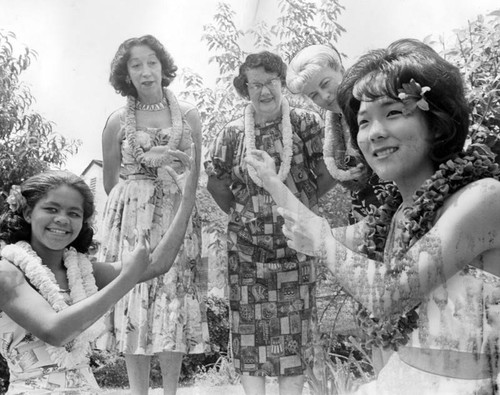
point(58, 231)
point(384, 152)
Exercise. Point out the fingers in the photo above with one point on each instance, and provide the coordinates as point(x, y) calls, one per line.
point(184, 158)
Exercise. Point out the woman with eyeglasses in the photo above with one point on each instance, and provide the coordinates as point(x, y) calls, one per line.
point(271, 288)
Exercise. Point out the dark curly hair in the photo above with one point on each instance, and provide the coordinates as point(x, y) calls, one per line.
point(119, 72)
point(14, 227)
point(271, 63)
point(382, 72)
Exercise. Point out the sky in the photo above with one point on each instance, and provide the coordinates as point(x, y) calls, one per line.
point(77, 39)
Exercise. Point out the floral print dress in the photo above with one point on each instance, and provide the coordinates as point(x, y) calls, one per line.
point(271, 288)
point(166, 313)
point(32, 369)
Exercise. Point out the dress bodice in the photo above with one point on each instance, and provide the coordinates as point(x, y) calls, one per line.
point(461, 314)
point(33, 370)
point(148, 138)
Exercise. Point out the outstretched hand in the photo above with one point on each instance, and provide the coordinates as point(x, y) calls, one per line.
point(136, 260)
point(263, 164)
point(306, 232)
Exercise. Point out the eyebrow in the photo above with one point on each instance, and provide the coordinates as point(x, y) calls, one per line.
point(74, 208)
point(385, 102)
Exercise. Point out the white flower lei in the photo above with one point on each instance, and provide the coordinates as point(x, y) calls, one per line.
point(286, 155)
point(328, 147)
point(81, 283)
point(157, 156)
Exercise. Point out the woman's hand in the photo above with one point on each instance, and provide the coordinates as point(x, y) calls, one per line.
point(263, 164)
point(137, 260)
point(191, 183)
point(306, 232)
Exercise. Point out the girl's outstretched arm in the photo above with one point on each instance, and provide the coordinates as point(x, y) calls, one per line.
point(24, 305)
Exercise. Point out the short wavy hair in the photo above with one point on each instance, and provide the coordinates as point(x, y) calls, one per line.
point(307, 62)
point(13, 225)
point(271, 63)
point(382, 72)
point(119, 71)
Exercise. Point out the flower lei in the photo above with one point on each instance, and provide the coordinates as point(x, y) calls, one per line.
point(81, 283)
point(335, 138)
point(286, 154)
point(476, 163)
point(157, 156)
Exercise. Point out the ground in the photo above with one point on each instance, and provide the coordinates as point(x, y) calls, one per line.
point(272, 389)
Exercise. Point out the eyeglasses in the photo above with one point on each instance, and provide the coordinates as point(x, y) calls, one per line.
point(271, 84)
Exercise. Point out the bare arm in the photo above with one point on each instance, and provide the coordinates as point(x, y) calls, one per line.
point(111, 152)
point(29, 309)
point(468, 228)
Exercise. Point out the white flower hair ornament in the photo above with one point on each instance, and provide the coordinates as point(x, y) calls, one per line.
point(412, 96)
point(15, 200)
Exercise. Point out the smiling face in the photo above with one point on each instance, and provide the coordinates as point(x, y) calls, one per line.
point(56, 220)
point(396, 146)
point(321, 88)
point(265, 94)
point(145, 72)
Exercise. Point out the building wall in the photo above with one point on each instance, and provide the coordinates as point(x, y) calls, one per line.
point(93, 177)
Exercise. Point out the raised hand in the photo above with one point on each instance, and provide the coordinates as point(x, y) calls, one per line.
point(136, 260)
point(262, 163)
point(306, 232)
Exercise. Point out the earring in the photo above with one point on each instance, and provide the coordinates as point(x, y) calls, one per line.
point(127, 80)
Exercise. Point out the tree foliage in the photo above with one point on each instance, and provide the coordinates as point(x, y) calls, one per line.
point(300, 23)
point(27, 142)
point(475, 49)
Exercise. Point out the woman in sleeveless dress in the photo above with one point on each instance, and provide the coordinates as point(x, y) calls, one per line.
point(425, 265)
point(146, 146)
point(51, 294)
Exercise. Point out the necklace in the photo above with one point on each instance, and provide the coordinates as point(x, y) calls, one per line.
point(335, 141)
point(156, 156)
point(161, 105)
point(475, 163)
point(81, 284)
point(287, 136)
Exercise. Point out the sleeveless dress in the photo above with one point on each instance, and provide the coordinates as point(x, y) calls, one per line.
point(459, 327)
point(166, 313)
point(271, 288)
point(31, 368)
point(33, 371)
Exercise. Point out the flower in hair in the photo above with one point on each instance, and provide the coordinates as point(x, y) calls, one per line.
point(412, 96)
point(15, 200)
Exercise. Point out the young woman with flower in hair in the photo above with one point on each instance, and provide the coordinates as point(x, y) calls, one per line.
point(272, 291)
point(148, 142)
point(425, 264)
point(51, 296)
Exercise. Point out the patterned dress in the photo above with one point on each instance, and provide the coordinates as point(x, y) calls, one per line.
point(32, 369)
point(459, 323)
point(166, 313)
point(272, 289)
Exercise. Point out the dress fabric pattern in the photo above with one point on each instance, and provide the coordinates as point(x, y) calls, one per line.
point(166, 313)
point(460, 316)
point(33, 372)
point(271, 289)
